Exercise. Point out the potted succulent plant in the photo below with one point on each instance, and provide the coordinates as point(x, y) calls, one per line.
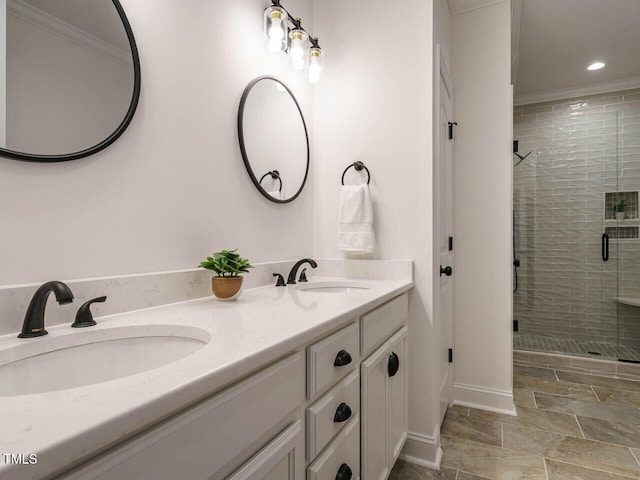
point(618, 209)
point(229, 266)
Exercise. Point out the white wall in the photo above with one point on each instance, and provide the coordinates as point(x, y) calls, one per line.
point(482, 175)
point(375, 105)
point(173, 188)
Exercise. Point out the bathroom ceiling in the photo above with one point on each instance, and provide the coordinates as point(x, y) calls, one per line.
point(88, 16)
point(555, 40)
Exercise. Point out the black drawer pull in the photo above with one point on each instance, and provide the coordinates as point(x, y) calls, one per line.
point(394, 364)
point(342, 358)
point(344, 472)
point(343, 413)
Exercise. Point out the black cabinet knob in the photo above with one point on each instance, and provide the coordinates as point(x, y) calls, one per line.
point(394, 364)
point(342, 358)
point(343, 413)
point(344, 472)
point(446, 271)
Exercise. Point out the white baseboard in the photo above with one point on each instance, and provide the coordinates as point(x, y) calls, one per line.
point(422, 450)
point(499, 401)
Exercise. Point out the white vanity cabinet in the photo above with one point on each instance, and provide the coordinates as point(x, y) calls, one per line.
point(332, 358)
point(384, 392)
point(377, 428)
point(319, 413)
point(282, 459)
point(256, 421)
point(333, 425)
point(341, 459)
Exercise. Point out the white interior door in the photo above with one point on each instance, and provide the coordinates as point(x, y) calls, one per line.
point(445, 243)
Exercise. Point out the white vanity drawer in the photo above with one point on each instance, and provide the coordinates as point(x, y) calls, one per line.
point(379, 324)
point(326, 362)
point(322, 424)
point(281, 459)
point(199, 442)
point(343, 452)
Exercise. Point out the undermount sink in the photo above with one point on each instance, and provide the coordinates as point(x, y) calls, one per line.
point(333, 287)
point(90, 357)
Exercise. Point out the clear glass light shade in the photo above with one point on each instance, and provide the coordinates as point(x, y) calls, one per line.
point(298, 45)
point(298, 63)
point(315, 65)
point(275, 28)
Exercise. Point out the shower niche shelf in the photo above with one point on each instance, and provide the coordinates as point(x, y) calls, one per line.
point(627, 228)
point(630, 199)
point(623, 232)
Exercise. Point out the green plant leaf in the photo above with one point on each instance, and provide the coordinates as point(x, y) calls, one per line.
point(227, 263)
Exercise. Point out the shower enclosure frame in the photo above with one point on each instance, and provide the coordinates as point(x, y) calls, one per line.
point(572, 146)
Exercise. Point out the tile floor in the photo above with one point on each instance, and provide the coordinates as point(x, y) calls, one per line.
point(570, 426)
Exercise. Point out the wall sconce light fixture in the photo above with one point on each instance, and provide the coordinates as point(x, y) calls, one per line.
point(286, 34)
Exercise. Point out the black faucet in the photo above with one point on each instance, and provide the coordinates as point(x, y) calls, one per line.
point(291, 280)
point(33, 325)
point(280, 282)
point(84, 317)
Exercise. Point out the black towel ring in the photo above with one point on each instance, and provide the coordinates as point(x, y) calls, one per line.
point(274, 175)
point(358, 166)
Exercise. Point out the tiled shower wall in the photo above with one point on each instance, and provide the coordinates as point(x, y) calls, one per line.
point(581, 149)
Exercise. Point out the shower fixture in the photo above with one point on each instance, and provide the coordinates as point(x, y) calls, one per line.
point(515, 152)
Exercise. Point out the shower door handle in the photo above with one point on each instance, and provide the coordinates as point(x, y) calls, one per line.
point(605, 247)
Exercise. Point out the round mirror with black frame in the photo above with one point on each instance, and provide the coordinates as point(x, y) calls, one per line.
point(73, 78)
point(273, 139)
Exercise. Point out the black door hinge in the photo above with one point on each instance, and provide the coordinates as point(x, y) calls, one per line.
point(451, 124)
point(515, 325)
point(450, 244)
point(451, 355)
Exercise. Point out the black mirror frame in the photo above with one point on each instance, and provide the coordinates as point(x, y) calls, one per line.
point(29, 157)
point(243, 150)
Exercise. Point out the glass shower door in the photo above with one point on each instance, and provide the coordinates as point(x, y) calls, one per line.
point(567, 289)
point(625, 227)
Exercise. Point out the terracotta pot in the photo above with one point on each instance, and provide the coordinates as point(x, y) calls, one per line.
point(226, 288)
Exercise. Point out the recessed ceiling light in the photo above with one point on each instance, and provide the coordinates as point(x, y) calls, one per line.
point(596, 66)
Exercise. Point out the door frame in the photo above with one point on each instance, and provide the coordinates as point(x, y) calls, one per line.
point(441, 71)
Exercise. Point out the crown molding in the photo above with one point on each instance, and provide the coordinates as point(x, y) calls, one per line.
point(54, 25)
point(580, 91)
point(462, 6)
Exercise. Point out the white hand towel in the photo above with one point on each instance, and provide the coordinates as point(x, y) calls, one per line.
point(275, 194)
point(355, 230)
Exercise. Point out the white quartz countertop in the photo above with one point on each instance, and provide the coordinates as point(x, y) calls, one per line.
point(65, 427)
